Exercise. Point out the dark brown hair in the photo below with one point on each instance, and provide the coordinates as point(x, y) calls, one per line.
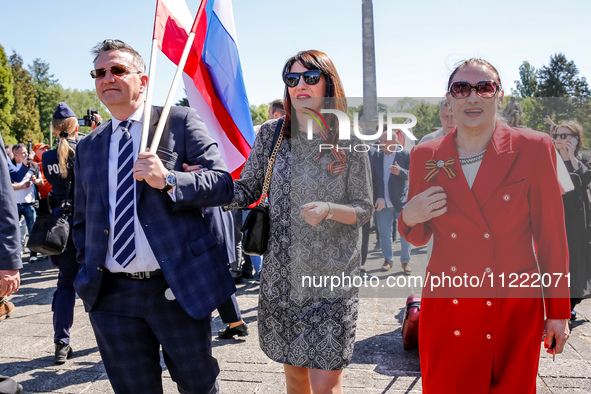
point(473, 62)
point(316, 60)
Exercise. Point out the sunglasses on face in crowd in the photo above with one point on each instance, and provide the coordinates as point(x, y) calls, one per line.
point(311, 77)
point(117, 70)
point(484, 89)
point(561, 136)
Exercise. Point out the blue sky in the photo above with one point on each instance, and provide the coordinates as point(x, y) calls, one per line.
point(417, 43)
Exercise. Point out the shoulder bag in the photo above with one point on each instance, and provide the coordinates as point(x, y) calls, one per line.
point(256, 227)
point(50, 233)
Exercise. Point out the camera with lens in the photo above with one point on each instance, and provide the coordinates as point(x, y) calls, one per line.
point(67, 208)
point(89, 118)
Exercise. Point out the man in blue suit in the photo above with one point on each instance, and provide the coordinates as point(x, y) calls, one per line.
point(10, 255)
point(392, 188)
point(149, 275)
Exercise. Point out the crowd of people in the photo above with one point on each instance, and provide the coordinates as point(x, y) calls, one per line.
point(155, 248)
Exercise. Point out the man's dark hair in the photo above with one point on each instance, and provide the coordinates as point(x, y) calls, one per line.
point(277, 106)
point(16, 147)
point(118, 45)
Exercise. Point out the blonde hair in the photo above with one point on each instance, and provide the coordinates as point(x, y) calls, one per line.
point(575, 128)
point(65, 128)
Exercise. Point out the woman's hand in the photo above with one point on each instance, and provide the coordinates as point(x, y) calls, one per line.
point(556, 329)
point(314, 212)
point(425, 206)
point(570, 147)
point(196, 168)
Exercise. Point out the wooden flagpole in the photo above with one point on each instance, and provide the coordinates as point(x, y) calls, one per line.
point(148, 102)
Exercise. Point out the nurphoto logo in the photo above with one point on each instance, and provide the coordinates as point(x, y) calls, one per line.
point(345, 127)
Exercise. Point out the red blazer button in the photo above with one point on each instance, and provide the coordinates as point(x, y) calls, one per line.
point(506, 198)
point(457, 333)
point(455, 301)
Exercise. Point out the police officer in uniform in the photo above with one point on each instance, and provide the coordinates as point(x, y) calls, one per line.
point(58, 167)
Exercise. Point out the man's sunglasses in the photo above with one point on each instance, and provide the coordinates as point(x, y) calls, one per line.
point(311, 77)
point(562, 136)
point(485, 89)
point(118, 70)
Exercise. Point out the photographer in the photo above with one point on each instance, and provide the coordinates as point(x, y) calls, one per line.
point(92, 119)
point(58, 167)
point(24, 181)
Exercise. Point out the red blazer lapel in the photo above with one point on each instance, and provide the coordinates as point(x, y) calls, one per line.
point(457, 188)
point(496, 163)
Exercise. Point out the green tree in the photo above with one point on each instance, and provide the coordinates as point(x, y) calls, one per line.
point(47, 92)
point(527, 85)
point(259, 114)
point(560, 79)
point(80, 101)
point(6, 99)
point(25, 125)
point(561, 93)
point(184, 102)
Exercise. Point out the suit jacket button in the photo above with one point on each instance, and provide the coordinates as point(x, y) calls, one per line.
point(453, 268)
point(453, 235)
point(106, 231)
point(455, 301)
point(457, 333)
point(488, 336)
point(486, 236)
point(506, 198)
point(488, 270)
point(488, 303)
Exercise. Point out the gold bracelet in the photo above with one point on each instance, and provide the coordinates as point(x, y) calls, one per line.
point(330, 211)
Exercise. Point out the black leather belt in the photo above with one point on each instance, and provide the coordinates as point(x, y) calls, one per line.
point(136, 275)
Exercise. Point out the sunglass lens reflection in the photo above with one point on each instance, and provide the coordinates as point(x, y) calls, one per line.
point(292, 80)
point(311, 77)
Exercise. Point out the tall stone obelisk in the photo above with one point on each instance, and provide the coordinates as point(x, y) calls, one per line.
point(370, 98)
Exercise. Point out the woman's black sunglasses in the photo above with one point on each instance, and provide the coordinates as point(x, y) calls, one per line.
point(561, 136)
point(311, 77)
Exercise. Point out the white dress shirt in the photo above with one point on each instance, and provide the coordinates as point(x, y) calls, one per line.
point(144, 256)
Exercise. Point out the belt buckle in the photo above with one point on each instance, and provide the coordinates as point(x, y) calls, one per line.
point(139, 275)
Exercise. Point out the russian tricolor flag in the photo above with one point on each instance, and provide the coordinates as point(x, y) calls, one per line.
point(212, 75)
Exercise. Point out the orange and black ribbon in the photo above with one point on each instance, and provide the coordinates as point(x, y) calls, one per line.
point(339, 158)
point(433, 167)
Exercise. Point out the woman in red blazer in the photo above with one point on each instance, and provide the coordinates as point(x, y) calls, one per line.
point(488, 193)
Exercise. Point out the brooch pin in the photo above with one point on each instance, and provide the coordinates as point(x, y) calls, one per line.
point(433, 167)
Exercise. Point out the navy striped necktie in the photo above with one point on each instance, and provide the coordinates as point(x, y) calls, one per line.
point(124, 234)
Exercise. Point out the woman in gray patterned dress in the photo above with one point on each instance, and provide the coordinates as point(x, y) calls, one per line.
point(318, 201)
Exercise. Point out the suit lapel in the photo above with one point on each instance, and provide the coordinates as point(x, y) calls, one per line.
point(154, 117)
point(102, 142)
point(497, 161)
point(457, 188)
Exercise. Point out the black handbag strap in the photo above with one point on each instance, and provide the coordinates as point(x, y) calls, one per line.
point(275, 147)
point(276, 136)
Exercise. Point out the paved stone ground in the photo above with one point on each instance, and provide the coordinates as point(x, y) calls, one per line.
point(379, 365)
